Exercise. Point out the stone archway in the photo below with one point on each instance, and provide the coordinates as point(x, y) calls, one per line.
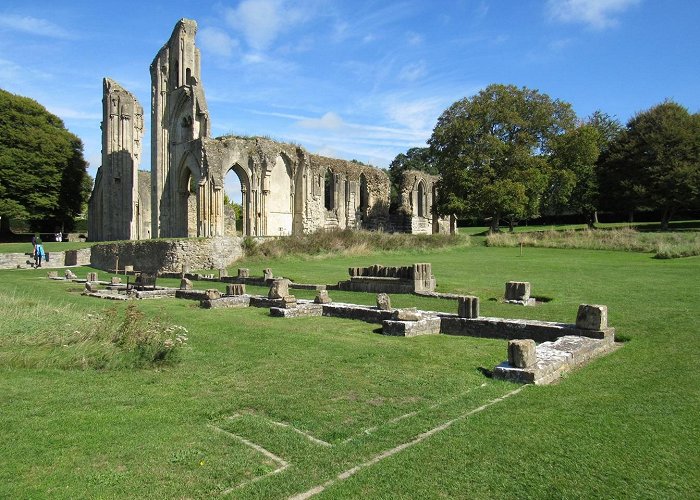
point(187, 199)
point(247, 213)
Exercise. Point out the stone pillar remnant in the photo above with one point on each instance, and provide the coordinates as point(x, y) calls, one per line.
point(521, 353)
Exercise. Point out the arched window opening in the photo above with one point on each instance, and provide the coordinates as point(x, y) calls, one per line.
point(328, 191)
point(420, 201)
point(364, 194)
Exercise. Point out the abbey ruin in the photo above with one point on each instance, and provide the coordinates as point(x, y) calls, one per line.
point(285, 189)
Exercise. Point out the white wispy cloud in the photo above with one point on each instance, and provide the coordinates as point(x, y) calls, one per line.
point(34, 26)
point(261, 22)
point(418, 115)
point(598, 14)
point(10, 71)
point(217, 41)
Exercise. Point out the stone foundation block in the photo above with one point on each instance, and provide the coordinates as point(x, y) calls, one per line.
point(468, 307)
point(243, 272)
point(52, 274)
point(185, 284)
point(92, 277)
point(115, 280)
point(518, 291)
point(592, 317)
point(267, 274)
point(383, 302)
point(235, 289)
point(212, 294)
point(90, 287)
point(521, 353)
point(289, 302)
point(322, 297)
point(408, 314)
point(70, 275)
point(279, 289)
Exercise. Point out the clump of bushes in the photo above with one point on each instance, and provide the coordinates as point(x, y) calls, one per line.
point(73, 340)
point(663, 245)
point(349, 242)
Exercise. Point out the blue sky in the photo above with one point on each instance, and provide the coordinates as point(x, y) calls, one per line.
point(352, 79)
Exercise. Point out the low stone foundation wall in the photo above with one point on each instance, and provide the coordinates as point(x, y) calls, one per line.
point(168, 255)
point(79, 257)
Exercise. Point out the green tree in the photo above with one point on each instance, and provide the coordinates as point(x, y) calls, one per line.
point(493, 152)
point(655, 162)
point(42, 170)
point(573, 185)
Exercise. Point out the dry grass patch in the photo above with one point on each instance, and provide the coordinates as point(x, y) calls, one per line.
point(664, 245)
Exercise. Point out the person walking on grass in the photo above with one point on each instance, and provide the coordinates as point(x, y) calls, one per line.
point(38, 252)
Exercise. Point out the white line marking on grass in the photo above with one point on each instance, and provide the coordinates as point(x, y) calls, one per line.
point(393, 451)
point(283, 464)
point(370, 430)
point(286, 425)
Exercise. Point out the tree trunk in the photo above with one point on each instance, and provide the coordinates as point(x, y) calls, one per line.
point(510, 226)
point(595, 217)
point(668, 215)
point(495, 223)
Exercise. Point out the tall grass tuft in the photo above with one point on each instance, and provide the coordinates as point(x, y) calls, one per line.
point(664, 245)
point(43, 335)
point(350, 243)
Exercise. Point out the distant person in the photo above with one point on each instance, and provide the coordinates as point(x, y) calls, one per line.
point(59, 236)
point(38, 253)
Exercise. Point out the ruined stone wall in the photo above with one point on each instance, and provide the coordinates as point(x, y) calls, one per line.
point(168, 255)
point(143, 215)
point(358, 197)
point(417, 198)
point(114, 204)
point(79, 257)
point(179, 117)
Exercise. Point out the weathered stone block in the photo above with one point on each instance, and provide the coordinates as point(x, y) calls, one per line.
point(212, 294)
point(243, 273)
point(468, 306)
point(521, 353)
point(70, 275)
point(322, 297)
point(92, 277)
point(518, 291)
point(52, 274)
point(289, 302)
point(128, 269)
point(383, 302)
point(235, 289)
point(592, 317)
point(279, 289)
point(267, 274)
point(185, 284)
point(407, 314)
point(90, 287)
point(223, 272)
point(116, 280)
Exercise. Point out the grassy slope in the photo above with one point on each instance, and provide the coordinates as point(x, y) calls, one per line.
point(627, 425)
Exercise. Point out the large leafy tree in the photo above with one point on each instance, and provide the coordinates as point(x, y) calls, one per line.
point(655, 162)
point(494, 152)
point(43, 174)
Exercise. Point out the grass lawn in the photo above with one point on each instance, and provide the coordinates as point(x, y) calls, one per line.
point(279, 407)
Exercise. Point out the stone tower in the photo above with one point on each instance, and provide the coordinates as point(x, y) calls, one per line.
point(179, 118)
point(116, 210)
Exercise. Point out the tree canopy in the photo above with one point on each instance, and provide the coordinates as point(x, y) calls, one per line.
point(43, 174)
point(493, 151)
point(655, 162)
